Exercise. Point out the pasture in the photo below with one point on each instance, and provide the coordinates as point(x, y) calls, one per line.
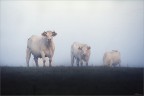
point(71, 81)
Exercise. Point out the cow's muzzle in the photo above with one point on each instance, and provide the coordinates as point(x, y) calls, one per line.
point(49, 39)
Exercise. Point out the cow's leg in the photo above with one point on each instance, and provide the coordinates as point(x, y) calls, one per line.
point(114, 65)
point(28, 55)
point(44, 61)
point(86, 63)
point(50, 61)
point(119, 65)
point(111, 63)
point(72, 59)
point(43, 57)
point(107, 63)
point(81, 62)
point(36, 61)
point(77, 61)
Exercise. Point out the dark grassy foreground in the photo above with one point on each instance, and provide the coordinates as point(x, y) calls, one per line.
point(71, 80)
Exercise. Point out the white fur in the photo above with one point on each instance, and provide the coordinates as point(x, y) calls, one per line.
point(112, 58)
point(80, 55)
point(40, 47)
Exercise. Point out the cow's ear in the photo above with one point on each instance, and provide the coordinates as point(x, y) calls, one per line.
point(80, 48)
point(54, 33)
point(44, 33)
point(88, 47)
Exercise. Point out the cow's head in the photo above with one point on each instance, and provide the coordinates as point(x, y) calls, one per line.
point(85, 50)
point(49, 34)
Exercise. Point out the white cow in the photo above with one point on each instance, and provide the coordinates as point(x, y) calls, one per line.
point(80, 52)
point(112, 58)
point(40, 47)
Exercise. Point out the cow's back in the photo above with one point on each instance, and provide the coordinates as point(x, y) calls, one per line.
point(74, 49)
point(111, 57)
point(116, 57)
point(34, 44)
point(107, 58)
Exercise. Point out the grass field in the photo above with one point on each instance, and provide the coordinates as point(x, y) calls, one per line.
point(71, 81)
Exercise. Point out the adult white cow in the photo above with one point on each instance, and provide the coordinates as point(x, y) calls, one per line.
point(40, 47)
point(80, 52)
point(112, 58)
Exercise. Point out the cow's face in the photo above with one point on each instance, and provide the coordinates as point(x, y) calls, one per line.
point(85, 50)
point(49, 34)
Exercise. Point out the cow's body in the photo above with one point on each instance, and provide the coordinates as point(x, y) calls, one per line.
point(80, 52)
point(41, 47)
point(112, 58)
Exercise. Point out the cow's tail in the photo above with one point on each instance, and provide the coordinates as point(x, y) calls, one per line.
point(104, 59)
point(28, 53)
point(72, 58)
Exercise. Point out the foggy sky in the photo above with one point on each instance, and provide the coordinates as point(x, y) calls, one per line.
point(103, 25)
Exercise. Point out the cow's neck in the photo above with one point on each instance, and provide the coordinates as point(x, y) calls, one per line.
point(50, 44)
